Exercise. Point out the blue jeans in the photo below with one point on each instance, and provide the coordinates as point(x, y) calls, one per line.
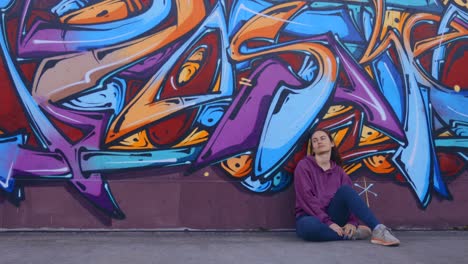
point(345, 201)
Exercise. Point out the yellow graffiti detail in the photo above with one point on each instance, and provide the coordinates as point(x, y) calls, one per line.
point(379, 164)
point(370, 136)
point(239, 166)
point(460, 3)
point(393, 20)
point(339, 135)
point(195, 137)
point(336, 110)
point(446, 134)
point(369, 71)
point(136, 141)
point(351, 168)
point(191, 67)
point(217, 85)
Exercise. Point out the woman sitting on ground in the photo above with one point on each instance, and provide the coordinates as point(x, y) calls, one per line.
point(327, 207)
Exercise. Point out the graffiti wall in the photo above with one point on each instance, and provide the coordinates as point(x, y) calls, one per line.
point(194, 113)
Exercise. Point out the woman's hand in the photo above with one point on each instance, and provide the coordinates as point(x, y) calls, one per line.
point(337, 229)
point(349, 230)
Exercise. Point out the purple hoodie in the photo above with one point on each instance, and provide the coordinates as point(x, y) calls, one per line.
point(315, 188)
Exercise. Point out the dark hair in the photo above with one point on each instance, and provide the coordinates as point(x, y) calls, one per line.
point(335, 155)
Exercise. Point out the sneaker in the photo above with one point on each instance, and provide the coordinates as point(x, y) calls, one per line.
point(362, 232)
point(381, 235)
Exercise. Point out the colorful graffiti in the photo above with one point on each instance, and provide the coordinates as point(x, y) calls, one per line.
point(99, 86)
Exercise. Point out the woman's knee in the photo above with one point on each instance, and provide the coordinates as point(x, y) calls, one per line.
point(316, 234)
point(307, 234)
point(308, 228)
point(346, 190)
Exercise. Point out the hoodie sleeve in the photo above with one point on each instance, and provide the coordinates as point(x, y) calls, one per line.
point(306, 198)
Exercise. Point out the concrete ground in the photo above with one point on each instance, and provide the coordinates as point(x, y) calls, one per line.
point(224, 247)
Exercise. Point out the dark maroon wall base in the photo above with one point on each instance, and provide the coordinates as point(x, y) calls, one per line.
point(174, 201)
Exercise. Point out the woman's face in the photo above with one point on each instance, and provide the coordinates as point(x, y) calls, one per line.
point(321, 143)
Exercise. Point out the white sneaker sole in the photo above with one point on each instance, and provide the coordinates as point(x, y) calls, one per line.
point(383, 243)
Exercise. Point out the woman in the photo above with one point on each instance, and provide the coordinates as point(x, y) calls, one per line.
point(327, 207)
